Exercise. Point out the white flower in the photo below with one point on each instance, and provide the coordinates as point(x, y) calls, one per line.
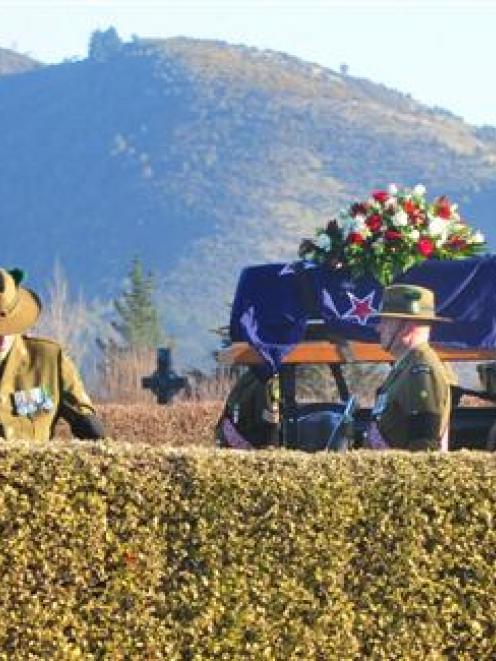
point(357, 224)
point(392, 190)
point(419, 190)
point(359, 221)
point(374, 205)
point(478, 237)
point(437, 227)
point(346, 228)
point(344, 219)
point(415, 234)
point(391, 203)
point(324, 241)
point(353, 224)
point(400, 218)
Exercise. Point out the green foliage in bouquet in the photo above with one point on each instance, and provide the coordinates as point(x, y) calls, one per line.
point(392, 231)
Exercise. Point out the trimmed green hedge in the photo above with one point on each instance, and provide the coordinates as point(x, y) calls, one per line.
point(111, 552)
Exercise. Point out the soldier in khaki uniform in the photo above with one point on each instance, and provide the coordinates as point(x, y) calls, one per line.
point(38, 381)
point(412, 407)
point(251, 414)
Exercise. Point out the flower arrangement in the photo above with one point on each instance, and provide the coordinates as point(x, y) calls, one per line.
point(392, 231)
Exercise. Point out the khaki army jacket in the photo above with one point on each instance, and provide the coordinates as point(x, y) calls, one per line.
point(253, 407)
point(39, 383)
point(413, 405)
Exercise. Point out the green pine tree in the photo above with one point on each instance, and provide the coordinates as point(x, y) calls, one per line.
point(138, 323)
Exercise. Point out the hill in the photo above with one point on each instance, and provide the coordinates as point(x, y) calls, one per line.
point(202, 157)
point(12, 62)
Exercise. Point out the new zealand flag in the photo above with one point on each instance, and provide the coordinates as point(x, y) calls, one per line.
point(274, 303)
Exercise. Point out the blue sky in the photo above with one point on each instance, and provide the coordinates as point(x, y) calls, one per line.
point(440, 51)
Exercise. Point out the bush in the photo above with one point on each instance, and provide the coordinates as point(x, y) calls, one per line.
point(177, 425)
point(137, 552)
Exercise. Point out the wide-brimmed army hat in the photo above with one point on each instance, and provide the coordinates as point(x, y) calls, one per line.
point(409, 302)
point(19, 307)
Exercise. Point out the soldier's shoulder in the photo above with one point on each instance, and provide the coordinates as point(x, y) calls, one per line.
point(427, 366)
point(421, 369)
point(423, 361)
point(41, 343)
point(36, 339)
point(425, 354)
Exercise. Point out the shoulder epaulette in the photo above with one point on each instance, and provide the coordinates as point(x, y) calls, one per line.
point(31, 339)
point(421, 368)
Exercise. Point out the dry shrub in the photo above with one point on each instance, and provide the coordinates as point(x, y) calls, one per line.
point(208, 388)
point(177, 425)
point(180, 424)
point(121, 373)
point(67, 320)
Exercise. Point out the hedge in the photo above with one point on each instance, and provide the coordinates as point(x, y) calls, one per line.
point(180, 424)
point(135, 552)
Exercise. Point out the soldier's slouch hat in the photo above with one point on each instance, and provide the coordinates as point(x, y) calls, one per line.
point(19, 307)
point(412, 302)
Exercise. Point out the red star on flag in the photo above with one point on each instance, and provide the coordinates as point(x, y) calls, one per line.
point(361, 308)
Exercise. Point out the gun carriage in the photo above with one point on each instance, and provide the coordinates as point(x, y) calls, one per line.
point(284, 316)
point(469, 425)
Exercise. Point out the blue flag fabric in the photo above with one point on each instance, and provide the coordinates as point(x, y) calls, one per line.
point(267, 312)
point(466, 293)
point(273, 303)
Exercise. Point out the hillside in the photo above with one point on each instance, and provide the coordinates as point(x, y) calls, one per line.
point(203, 157)
point(12, 62)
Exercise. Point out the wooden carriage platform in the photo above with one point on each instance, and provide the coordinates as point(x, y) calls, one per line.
point(470, 423)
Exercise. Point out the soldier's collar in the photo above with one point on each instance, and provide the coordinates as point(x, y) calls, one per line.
point(422, 346)
point(402, 359)
point(5, 352)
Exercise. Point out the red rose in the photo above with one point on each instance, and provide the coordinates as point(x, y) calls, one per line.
point(355, 237)
point(443, 208)
point(374, 222)
point(410, 207)
point(380, 196)
point(393, 235)
point(425, 247)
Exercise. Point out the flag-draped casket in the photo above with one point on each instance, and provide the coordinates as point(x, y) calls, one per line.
point(274, 302)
